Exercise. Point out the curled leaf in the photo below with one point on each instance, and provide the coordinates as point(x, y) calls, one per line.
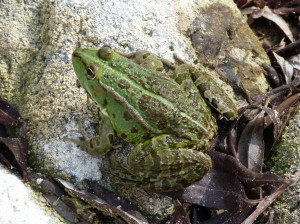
point(290, 49)
point(267, 13)
point(15, 151)
point(286, 67)
point(61, 202)
point(216, 189)
point(65, 210)
point(8, 114)
point(272, 74)
point(251, 144)
point(249, 178)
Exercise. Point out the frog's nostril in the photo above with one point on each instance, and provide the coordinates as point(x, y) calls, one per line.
point(76, 55)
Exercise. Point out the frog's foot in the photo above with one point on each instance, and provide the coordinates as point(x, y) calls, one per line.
point(98, 145)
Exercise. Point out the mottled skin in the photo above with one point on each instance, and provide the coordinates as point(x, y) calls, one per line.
point(168, 120)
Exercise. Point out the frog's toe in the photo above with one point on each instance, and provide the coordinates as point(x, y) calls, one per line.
point(99, 144)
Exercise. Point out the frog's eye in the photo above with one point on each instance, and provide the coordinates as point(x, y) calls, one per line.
point(91, 72)
point(105, 52)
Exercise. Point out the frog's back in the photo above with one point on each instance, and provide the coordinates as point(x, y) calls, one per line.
point(152, 104)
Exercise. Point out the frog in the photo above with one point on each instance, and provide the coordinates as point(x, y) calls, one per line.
point(164, 114)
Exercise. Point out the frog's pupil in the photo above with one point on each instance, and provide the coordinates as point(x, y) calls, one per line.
point(90, 73)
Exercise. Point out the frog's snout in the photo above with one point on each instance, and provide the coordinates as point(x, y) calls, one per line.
point(76, 55)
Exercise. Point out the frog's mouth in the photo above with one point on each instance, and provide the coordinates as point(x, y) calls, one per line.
point(79, 65)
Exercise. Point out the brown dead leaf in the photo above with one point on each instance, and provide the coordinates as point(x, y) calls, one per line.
point(286, 67)
point(266, 12)
point(14, 151)
point(251, 144)
point(9, 116)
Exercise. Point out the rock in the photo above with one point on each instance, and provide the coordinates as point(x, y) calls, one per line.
point(20, 204)
point(285, 161)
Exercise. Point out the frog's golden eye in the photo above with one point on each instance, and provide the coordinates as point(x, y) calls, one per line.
point(105, 52)
point(91, 72)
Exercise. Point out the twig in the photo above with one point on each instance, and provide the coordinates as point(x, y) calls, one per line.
point(266, 202)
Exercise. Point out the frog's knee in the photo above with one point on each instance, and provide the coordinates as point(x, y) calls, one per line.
point(182, 72)
point(149, 61)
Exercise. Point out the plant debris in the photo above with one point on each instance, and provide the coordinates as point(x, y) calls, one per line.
point(266, 12)
point(77, 205)
point(13, 151)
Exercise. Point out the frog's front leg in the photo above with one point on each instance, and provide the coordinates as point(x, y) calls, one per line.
point(100, 144)
point(166, 163)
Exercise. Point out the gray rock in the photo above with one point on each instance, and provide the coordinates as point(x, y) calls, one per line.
point(285, 161)
point(20, 204)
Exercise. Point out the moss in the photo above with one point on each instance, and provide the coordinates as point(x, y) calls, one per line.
point(285, 162)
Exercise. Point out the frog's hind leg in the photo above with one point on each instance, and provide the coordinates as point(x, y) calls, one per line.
point(164, 178)
point(216, 92)
point(160, 166)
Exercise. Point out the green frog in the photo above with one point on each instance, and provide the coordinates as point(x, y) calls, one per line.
point(162, 113)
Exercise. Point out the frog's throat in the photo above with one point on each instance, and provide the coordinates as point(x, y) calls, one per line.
point(131, 110)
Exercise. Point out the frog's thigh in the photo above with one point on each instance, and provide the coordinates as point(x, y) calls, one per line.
point(167, 169)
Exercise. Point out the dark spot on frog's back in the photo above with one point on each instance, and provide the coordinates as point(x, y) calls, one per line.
point(151, 81)
point(129, 66)
point(184, 120)
point(124, 136)
point(105, 102)
point(161, 124)
point(109, 77)
point(194, 104)
point(127, 116)
point(143, 102)
point(194, 116)
point(123, 84)
point(134, 130)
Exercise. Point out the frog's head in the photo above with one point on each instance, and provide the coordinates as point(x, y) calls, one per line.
point(89, 64)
